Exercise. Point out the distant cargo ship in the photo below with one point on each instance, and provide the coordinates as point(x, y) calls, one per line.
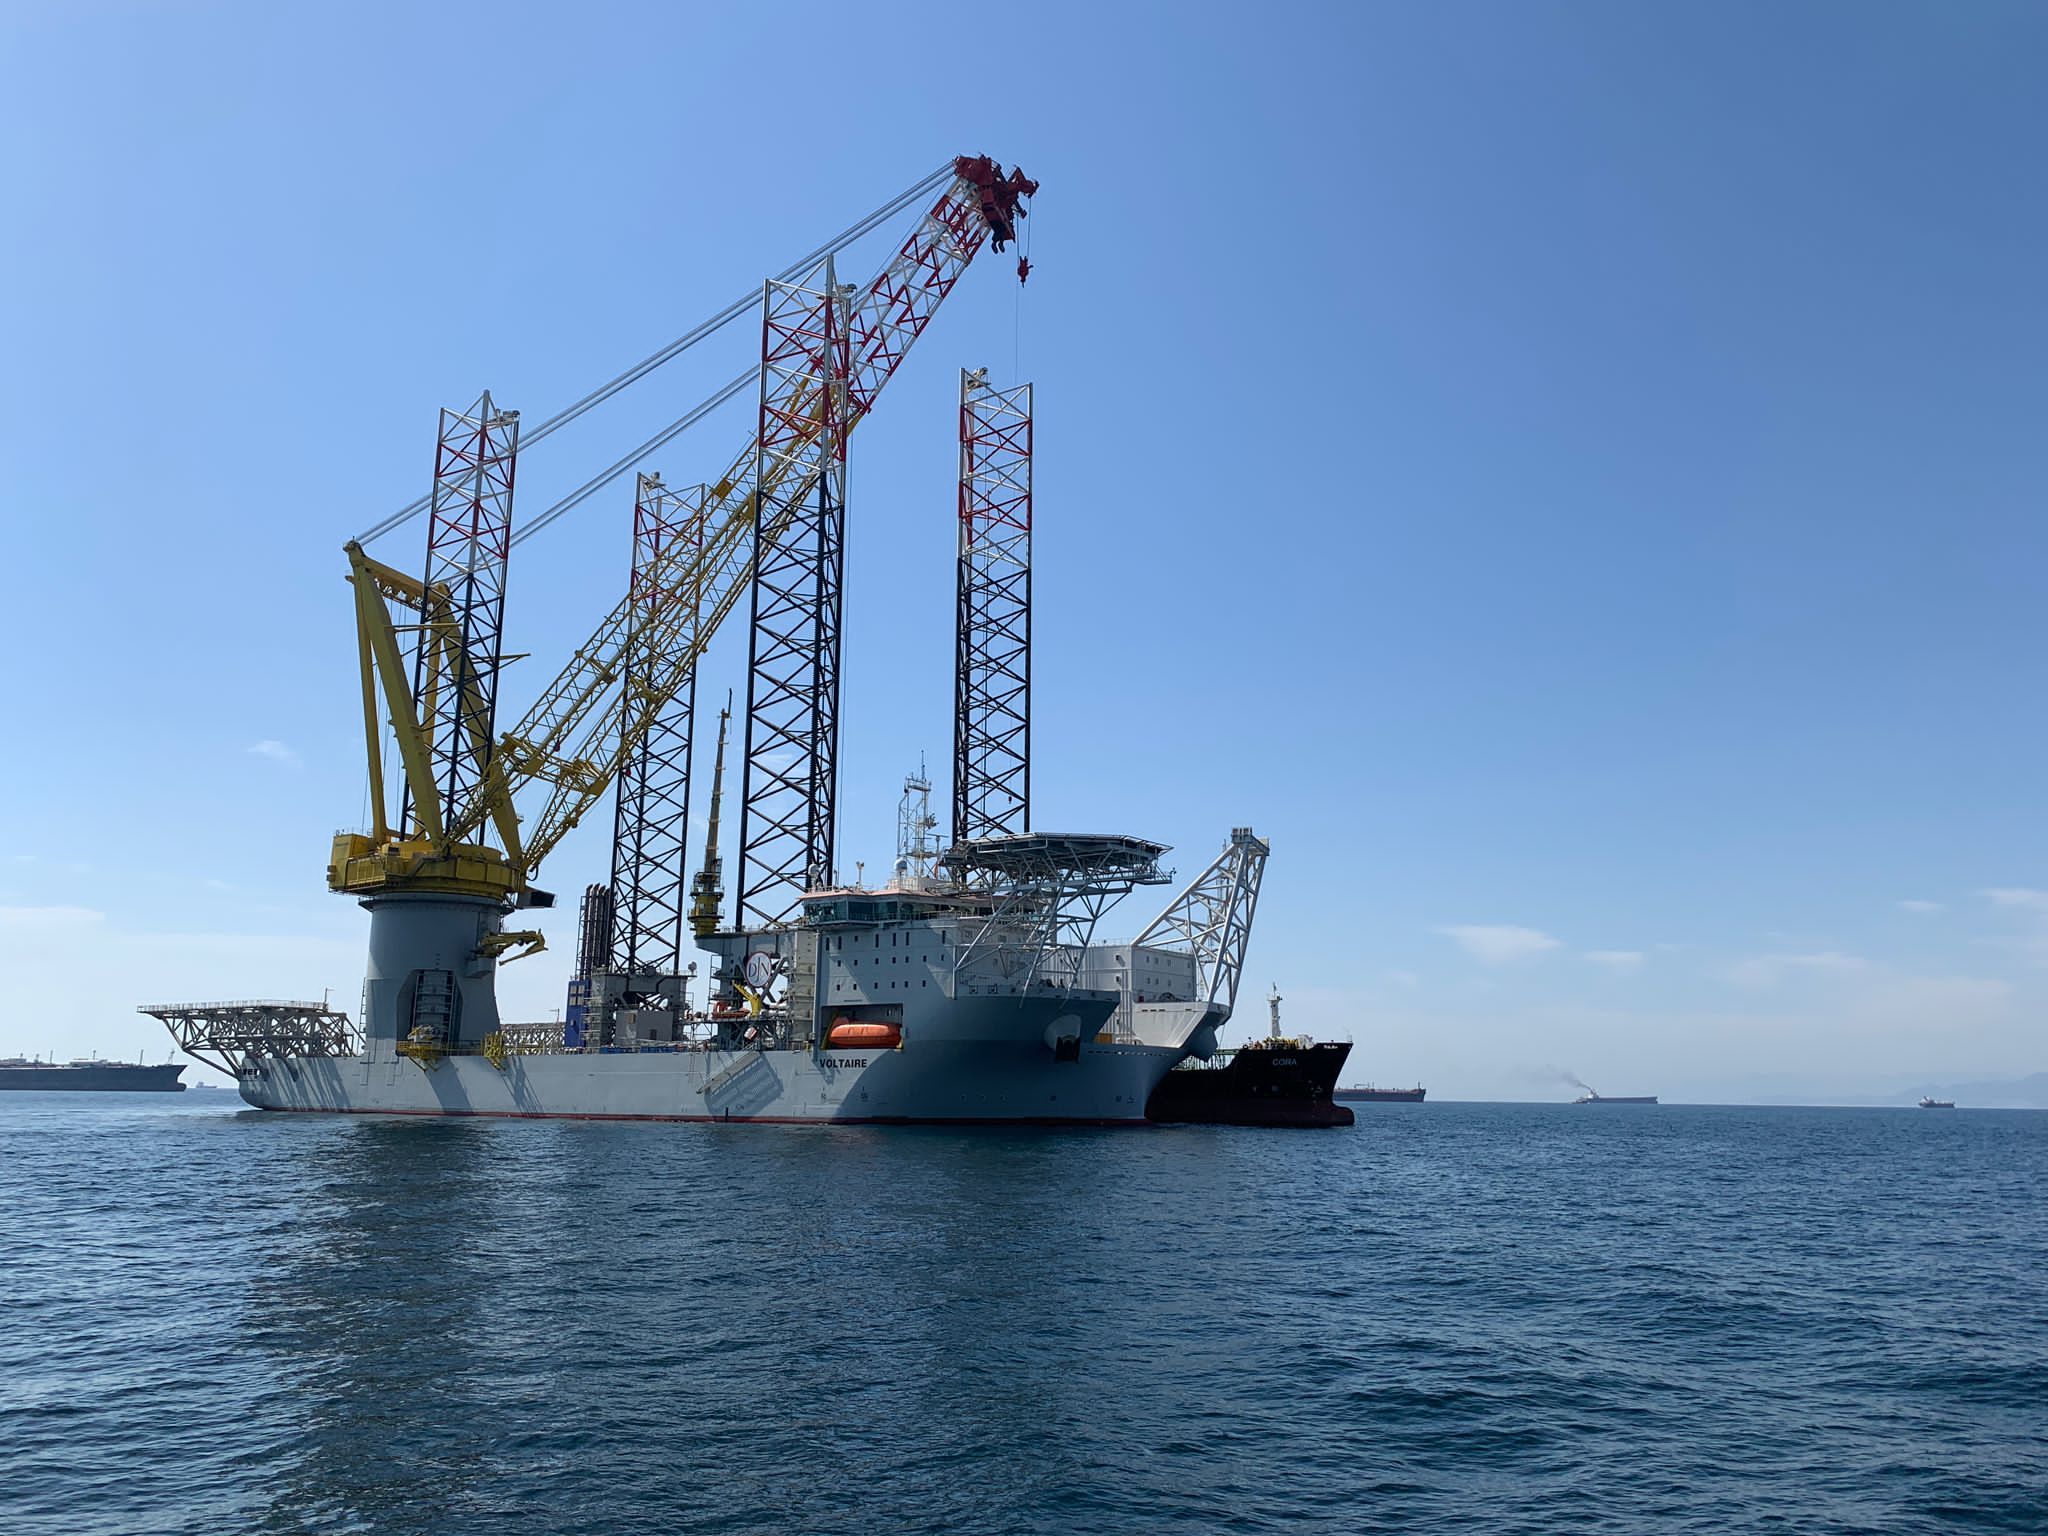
point(1931, 1102)
point(1590, 1097)
point(1371, 1095)
point(90, 1076)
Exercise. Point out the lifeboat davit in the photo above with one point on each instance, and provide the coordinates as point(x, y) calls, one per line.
point(853, 1035)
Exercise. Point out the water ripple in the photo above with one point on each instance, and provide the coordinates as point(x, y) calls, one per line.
point(1451, 1319)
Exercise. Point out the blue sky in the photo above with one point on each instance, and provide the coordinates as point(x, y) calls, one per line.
point(1570, 475)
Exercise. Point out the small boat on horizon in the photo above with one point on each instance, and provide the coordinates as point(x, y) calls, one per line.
point(1590, 1097)
point(1931, 1102)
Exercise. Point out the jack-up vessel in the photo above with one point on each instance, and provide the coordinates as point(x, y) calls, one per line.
point(972, 986)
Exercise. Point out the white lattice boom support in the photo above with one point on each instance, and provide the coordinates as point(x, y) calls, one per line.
point(650, 885)
point(457, 652)
point(790, 773)
point(992, 660)
point(1212, 918)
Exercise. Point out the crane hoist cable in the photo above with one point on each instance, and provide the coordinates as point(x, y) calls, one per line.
point(618, 467)
point(739, 306)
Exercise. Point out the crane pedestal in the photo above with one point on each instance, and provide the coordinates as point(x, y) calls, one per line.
point(431, 985)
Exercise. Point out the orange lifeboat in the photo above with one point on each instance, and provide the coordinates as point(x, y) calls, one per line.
point(852, 1035)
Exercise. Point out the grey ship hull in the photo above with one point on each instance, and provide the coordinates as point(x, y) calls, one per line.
point(992, 1024)
point(965, 1060)
point(1107, 1085)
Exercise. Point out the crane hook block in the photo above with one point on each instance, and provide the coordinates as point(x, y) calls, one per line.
point(1001, 197)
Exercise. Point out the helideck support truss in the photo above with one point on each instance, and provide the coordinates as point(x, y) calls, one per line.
point(1048, 891)
point(992, 648)
point(650, 835)
point(791, 771)
point(1212, 918)
point(459, 648)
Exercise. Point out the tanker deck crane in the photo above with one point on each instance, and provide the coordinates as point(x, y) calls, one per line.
point(480, 810)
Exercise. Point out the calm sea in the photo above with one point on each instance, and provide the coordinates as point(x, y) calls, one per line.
point(1452, 1318)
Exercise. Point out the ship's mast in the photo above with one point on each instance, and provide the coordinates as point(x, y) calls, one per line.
point(916, 849)
point(1273, 1007)
point(707, 891)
